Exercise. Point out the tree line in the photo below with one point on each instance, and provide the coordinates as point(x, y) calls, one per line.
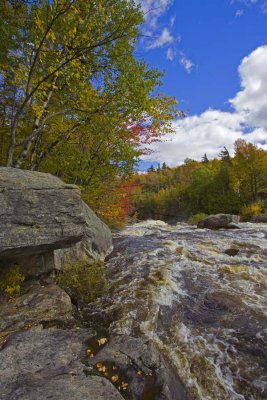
point(226, 184)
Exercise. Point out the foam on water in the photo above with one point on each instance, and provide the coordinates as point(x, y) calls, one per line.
point(205, 310)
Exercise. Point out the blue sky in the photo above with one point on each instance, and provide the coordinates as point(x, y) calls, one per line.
point(211, 51)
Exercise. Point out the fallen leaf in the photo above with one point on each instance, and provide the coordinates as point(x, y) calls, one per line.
point(115, 378)
point(102, 341)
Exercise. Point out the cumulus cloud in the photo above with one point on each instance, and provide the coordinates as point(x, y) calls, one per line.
point(161, 41)
point(210, 131)
point(252, 98)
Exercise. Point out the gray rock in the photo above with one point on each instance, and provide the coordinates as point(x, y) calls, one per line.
point(96, 243)
point(232, 252)
point(219, 221)
point(39, 213)
point(137, 362)
point(259, 218)
point(46, 364)
point(37, 303)
point(39, 216)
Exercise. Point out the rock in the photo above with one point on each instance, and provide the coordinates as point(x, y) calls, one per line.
point(231, 252)
point(218, 221)
point(259, 218)
point(37, 304)
point(96, 243)
point(46, 364)
point(137, 362)
point(40, 215)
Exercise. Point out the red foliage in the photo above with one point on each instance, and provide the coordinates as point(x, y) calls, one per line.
point(142, 133)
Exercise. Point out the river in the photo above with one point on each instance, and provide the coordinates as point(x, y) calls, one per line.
point(204, 309)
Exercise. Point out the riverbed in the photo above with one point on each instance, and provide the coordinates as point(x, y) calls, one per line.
point(201, 297)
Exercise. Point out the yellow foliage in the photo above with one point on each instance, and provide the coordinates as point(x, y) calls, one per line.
point(11, 282)
point(250, 210)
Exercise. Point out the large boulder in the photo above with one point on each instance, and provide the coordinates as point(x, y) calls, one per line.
point(96, 243)
point(219, 221)
point(40, 214)
point(47, 364)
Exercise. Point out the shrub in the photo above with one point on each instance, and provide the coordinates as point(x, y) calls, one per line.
point(87, 280)
point(194, 219)
point(10, 282)
point(248, 211)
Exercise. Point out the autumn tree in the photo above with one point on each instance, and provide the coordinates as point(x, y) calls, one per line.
point(75, 101)
point(65, 65)
point(249, 170)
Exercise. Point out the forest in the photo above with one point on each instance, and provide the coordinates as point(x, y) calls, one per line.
point(235, 185)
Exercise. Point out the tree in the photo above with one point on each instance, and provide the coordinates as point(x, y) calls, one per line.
point(151, 168)
point(74, 99)
point(225, 156)
point(164, 165)
point(65, 65)
point(249, 170)
point(205, 159)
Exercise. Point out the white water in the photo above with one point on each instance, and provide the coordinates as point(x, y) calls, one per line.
point(205, 310)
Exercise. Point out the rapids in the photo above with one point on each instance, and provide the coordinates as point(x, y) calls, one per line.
point(204, 309)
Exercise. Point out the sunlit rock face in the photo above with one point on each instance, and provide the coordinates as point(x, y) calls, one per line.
point(39, 214)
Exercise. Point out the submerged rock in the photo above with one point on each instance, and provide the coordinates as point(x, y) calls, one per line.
point(231, 252)
point(219, 221)
point(139, 369)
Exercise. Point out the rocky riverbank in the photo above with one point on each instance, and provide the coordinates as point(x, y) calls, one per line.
point(53, 345)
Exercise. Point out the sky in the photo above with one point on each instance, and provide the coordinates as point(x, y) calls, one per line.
point(214, 55)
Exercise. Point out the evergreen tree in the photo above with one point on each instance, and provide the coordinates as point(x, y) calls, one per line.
point(205, 159)
point(225, 156)
point(164, 165)
point(151, 168)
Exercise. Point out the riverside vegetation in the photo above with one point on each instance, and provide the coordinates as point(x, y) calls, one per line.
point(234, 185)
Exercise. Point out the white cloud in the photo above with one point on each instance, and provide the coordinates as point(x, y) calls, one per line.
point(239, 13)
point(164, 39)
point(186, 62)
point(154, 9)
point(172, 20)
point(170, 54)
point(213, 129)
point(252, 99)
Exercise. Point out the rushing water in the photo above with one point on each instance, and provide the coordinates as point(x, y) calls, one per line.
point(204, 309)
